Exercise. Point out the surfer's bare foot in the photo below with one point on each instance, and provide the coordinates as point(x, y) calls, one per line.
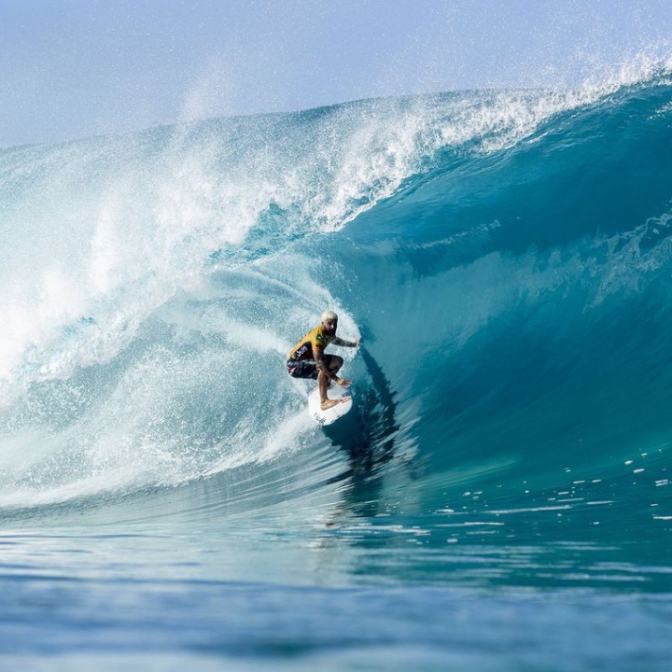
point(329, 403)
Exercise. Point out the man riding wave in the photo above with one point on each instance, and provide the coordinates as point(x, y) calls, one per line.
point(307, 358)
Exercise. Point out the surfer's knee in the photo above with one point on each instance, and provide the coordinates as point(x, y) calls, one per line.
point(336, 363)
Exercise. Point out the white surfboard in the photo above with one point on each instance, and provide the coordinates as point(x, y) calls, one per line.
point(335, 412)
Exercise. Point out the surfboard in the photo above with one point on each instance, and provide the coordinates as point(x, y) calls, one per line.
point(335, 412)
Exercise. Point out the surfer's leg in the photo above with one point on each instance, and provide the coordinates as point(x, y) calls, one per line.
point(336, 363)
point(325, 402)
point(302, 369)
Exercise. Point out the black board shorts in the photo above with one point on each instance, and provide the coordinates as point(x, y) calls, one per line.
point(306, 368)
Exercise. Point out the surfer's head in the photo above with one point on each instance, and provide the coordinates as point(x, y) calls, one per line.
point(329, 321)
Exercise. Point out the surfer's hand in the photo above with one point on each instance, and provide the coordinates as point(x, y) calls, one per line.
point(357, 342)
point(343, 382)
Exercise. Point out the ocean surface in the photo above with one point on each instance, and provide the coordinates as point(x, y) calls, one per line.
point(500, 496)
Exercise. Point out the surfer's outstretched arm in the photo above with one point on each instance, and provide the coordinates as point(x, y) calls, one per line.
point(346, 344)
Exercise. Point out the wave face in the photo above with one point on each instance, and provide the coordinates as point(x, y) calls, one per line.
point(506, 257)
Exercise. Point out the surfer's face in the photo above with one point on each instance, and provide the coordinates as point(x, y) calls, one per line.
point(329, 326)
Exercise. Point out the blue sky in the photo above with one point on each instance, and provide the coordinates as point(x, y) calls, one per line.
point(74, 68)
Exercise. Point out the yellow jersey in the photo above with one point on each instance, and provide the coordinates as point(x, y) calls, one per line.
point(307, 348)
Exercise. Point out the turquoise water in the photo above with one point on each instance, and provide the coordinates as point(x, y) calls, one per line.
point(499, 497)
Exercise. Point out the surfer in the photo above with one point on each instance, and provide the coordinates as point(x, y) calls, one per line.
point(307, 359)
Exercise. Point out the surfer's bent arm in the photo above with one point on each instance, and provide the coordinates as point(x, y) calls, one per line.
point(322, 366)
point(345, 344)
